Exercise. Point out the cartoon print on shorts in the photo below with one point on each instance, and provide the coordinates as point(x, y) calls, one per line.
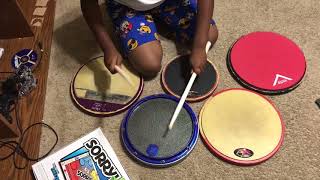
point(156, 11)
point(130, 13)
point(190, 15)
point(117, 29)
point(168, 20)
point(184, 23)
point(171, 9)
point(125, 28)
point(144, 28)
point(156, 36)
point(186, 2)
point(184, 37)
point(149, 18)
point(132, 44)
point(116, 13)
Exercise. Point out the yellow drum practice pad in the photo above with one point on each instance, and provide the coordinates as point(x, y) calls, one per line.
point(241, 127)
point(98, 92)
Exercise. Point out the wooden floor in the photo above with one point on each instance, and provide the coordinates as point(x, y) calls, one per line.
point(31, 107)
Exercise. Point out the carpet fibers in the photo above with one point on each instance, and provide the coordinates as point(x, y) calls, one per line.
point(298, 158)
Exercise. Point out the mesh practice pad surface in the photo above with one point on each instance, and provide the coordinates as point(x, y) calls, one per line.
point(267, 62)
point(241, 126)
point(177, 73)
point(98, 92)
point(144, 131)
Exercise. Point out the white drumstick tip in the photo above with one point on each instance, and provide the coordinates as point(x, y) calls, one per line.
point(182, 100)
point(208, 45)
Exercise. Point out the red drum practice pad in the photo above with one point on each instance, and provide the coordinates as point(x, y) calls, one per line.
point(266, 62)
point(176, 74)
point(98, 92)
point(241, 127)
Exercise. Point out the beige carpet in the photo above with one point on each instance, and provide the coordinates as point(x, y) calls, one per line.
point(298, 158)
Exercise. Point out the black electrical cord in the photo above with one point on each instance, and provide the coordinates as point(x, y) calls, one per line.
point(16, 146)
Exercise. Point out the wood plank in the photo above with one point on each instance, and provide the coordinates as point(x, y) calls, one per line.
point(12, 21)
point(31, 107)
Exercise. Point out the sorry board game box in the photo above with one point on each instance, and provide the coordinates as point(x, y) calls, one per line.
point(88, 158)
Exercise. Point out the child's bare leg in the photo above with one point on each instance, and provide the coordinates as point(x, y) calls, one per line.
point(146, 59)
point(213, 34)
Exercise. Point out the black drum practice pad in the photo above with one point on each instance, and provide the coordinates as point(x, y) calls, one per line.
point(176, 74)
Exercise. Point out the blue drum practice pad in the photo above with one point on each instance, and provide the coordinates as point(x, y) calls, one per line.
point(146, 137)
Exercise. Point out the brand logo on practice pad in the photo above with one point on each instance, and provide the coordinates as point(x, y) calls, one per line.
point(243, 152)
point(280, 79)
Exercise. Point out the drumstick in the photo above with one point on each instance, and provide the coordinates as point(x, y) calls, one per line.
point(185, 93)
point(123, 74)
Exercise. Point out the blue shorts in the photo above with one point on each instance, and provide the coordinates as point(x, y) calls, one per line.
point(137, 27)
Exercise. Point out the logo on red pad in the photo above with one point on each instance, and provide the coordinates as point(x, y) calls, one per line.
point(280, 79)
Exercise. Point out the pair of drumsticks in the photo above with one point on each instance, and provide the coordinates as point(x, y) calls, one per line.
point(185, 94)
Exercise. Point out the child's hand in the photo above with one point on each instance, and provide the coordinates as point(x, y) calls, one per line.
point(111, 58)
point(198, 59)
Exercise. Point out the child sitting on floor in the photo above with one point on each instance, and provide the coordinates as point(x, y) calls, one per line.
point(134, 24)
